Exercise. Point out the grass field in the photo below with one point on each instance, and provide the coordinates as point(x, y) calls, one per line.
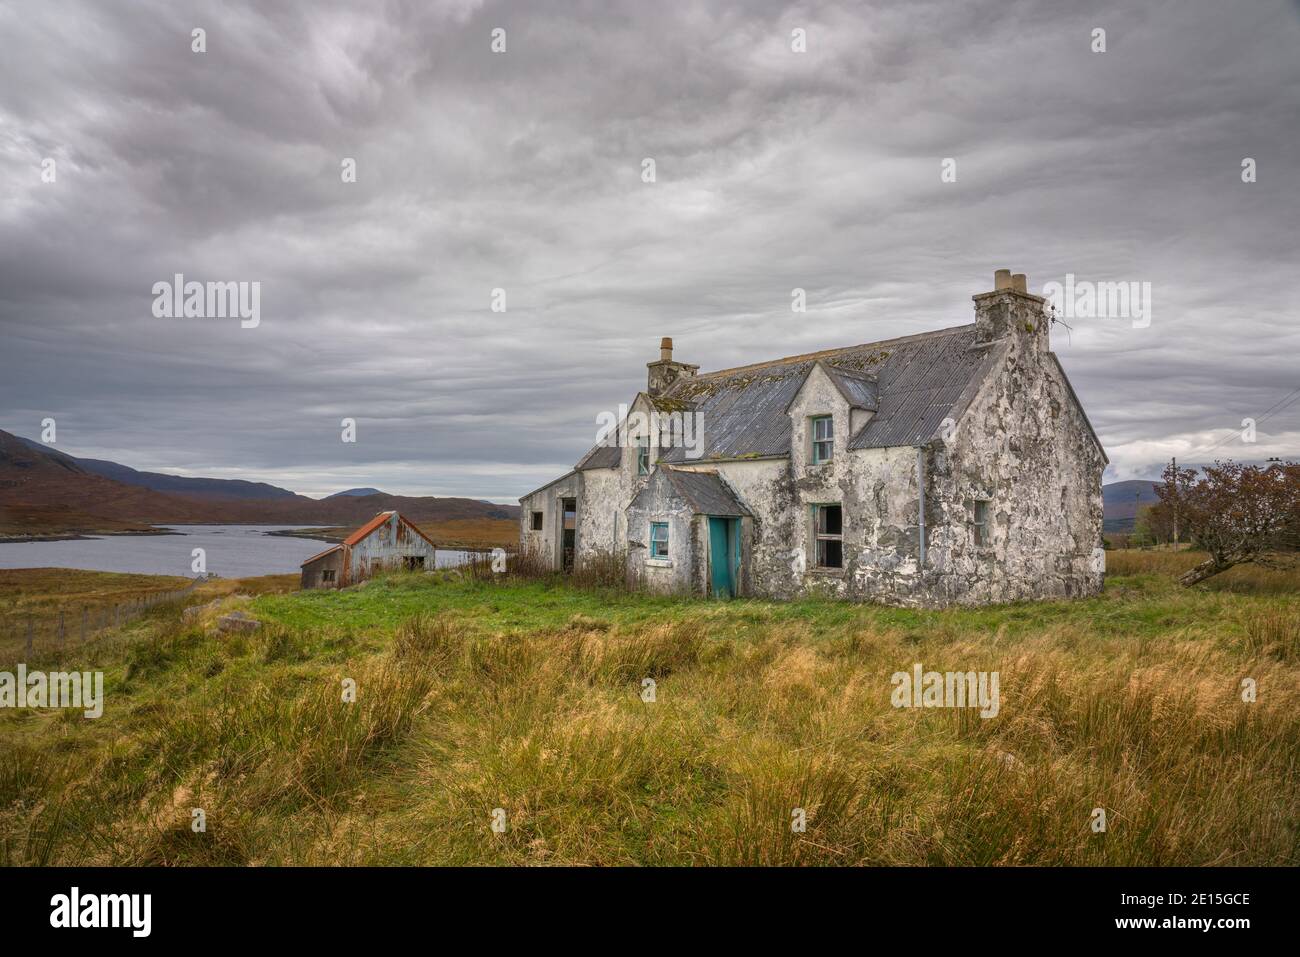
point(527, 697)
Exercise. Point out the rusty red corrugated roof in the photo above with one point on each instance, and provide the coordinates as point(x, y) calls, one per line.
point(367, 528)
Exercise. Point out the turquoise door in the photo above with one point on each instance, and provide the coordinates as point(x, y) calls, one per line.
point(724, 556)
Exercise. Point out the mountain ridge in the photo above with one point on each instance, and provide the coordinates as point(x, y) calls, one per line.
point(46, 491)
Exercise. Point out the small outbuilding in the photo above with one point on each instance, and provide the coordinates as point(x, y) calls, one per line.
point(386, 542)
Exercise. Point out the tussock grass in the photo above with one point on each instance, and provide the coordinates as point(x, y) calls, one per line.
point(1273, 631)
point(526, 696)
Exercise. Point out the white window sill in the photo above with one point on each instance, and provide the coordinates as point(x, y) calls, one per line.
point(659, 562)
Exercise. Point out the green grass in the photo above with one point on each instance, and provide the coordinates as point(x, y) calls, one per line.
point(527, 696)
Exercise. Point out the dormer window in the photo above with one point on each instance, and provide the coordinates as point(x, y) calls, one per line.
point(823, 438)
point(643, 455)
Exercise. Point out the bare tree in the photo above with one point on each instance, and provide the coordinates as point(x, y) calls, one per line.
point(1238, 513)
point(1154, 524)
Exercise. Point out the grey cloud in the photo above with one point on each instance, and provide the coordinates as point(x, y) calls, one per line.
point(523, 171)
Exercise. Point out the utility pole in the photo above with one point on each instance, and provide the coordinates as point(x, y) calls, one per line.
point(1174, 461)
point(1137, 507)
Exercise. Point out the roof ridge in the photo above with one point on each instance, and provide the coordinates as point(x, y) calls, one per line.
point(675, 467)
point(807, 356)
point(850, 373)
point(368, 527)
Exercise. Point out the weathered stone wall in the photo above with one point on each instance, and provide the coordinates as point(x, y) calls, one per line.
point(549, 501)
point(680, 572)
point(1024, 447)
point(603, 525)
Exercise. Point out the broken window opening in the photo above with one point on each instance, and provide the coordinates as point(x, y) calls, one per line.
point(828, 532)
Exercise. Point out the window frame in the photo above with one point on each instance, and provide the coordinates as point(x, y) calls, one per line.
point(538, 519)
point(656, 543)
point(328, 574)
point(643, 455)
point(829, 440)
point(981, 526)
point(820, 536)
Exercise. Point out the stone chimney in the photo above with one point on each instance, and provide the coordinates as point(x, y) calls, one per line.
point(665, 372)
point(1011, 311)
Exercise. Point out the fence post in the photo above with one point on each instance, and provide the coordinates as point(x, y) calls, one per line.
point(62, 635)
point(117, 616)
point(29, 634)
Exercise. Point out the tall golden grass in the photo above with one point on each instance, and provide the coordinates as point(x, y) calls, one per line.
point(1132, 704)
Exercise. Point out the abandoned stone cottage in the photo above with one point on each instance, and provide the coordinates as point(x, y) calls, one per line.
point(387, 541)
point(950, 467)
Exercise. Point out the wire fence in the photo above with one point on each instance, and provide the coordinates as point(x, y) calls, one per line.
point(47, 633)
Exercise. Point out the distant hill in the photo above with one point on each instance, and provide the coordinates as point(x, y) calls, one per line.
point(46, 491)
point(1121, 501)
point(356, 492)
point(159, 482)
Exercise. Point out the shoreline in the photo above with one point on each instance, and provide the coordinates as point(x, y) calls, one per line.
point(78, 536)
point(321, 533)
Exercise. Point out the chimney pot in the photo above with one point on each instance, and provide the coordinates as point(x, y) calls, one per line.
point(666, 349)
point(1018, 282)
point(1001, 279)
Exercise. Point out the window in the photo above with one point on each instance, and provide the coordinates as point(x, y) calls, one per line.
point(537, 521)
point(327, 575)
point(643, 455)
point(658, 539)
point(413, 562)
point(828, 530)
point(981, 523)
point(823, 439)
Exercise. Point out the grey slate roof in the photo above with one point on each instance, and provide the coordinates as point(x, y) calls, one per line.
point(861, 390)
point(913, 383)
point(706, 493)
point(600, 457)
point(555, 481)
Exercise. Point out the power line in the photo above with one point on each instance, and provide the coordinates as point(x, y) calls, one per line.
point(1279, 406)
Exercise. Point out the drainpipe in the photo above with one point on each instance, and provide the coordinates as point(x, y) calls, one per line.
point(920, 511)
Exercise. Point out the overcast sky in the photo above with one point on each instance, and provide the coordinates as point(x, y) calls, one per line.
point(522, 170)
